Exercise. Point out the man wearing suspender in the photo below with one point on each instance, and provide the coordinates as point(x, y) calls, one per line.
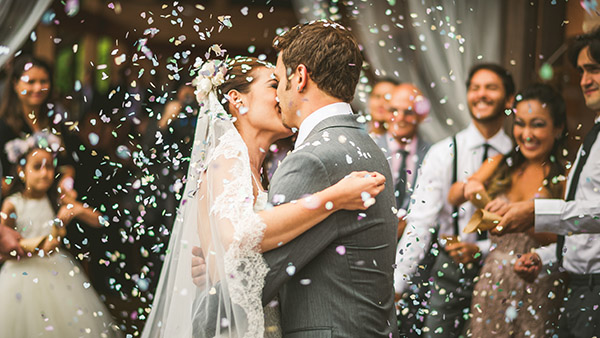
point(577, 218)
point(490, 91)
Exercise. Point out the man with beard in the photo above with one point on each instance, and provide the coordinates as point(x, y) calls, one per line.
point(490, 91)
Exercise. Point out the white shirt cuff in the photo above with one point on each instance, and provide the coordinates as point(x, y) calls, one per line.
point(547, 254)
point(548, 215)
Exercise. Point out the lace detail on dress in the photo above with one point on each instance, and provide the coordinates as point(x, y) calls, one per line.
point(244, 265)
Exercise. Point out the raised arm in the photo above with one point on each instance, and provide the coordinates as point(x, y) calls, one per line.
point(460, 192)
point(71, 208)
point(287, 221)
point(567, 218)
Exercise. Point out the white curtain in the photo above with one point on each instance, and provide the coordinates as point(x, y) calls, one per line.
point(431, 43)
point(18, 18)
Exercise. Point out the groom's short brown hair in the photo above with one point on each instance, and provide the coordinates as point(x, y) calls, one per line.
point(329, 52)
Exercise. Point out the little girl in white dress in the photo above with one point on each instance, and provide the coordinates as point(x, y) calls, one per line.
point(46, 294)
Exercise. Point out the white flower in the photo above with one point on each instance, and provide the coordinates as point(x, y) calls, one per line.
point(208, 69)
point(218, 79)
point(203, 87)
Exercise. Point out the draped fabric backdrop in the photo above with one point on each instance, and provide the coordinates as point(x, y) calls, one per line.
point(431, 43)
point(19, 18)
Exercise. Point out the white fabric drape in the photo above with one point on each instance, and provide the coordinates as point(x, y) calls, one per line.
point(18, 19)
point(431, 43)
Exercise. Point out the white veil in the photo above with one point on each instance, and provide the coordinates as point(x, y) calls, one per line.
point(217, 214)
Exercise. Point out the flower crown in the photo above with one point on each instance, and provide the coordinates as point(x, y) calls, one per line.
point(16, 148)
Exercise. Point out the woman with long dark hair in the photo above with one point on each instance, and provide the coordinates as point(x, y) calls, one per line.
point(26, 109)
point(503, 304)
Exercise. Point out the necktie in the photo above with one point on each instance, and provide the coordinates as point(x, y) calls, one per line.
point(486, 147)
point(588, 141)
point(400, 188)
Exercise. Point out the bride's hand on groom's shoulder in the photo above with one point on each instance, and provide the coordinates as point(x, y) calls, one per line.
point(198, 267)
point(357, 190)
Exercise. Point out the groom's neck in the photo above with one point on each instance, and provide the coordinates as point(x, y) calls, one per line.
point(312, 103)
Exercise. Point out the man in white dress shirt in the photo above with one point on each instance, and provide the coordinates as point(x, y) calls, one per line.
point(490, 91)
point(577, 218)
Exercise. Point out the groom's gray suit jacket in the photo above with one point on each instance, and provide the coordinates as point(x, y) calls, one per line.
point(335, 280)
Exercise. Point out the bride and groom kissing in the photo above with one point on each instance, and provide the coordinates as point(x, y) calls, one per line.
point(314, 256)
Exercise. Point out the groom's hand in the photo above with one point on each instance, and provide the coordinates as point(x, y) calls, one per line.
point(198, 267)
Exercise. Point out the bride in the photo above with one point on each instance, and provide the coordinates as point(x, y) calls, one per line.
point(225, 210)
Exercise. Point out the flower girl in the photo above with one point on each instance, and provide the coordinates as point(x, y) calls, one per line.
point(46, 294)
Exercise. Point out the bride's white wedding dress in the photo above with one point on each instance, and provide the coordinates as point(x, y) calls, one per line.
point(218, 214)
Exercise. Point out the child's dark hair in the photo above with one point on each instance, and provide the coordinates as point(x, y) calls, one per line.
point(500, 182)
point(18, 184)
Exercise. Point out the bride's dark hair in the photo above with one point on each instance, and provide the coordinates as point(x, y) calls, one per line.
point(239, 77)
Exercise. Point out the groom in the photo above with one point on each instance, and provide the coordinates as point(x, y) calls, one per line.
point(335, 280)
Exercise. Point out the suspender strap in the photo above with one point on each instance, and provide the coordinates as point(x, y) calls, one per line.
point(588, 141)
point(454, 178)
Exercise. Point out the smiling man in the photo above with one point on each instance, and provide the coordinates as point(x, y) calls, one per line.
point(490, 91)
point(577, 218)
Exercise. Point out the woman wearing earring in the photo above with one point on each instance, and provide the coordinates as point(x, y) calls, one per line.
point(225, 212)
point(503, 304)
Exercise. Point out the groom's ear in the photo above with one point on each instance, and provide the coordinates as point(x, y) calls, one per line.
point(302, 76)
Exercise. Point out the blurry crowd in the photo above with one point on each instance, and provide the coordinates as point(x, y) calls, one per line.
point(122, 160)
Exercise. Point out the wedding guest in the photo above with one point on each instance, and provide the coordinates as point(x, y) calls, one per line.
point(25, 109)
point(405, 151)
point(490, 90)
point(577, 218)
point(379, 103)
point(48, 290)
point(502, 302)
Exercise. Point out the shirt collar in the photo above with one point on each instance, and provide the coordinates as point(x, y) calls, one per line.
point(500, 142)
point(311, 121)
point(394, 146)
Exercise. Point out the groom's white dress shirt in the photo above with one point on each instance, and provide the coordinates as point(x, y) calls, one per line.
point(429, 208)
point(578, 220)
point(311, 121)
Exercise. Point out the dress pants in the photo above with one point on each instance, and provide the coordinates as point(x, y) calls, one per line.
point(450, 296)
point(581, 317)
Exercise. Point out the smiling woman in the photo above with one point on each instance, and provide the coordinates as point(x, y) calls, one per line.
point(533, 169)
point(25, 109)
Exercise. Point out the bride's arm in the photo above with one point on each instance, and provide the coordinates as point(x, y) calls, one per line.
point(288, 221)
